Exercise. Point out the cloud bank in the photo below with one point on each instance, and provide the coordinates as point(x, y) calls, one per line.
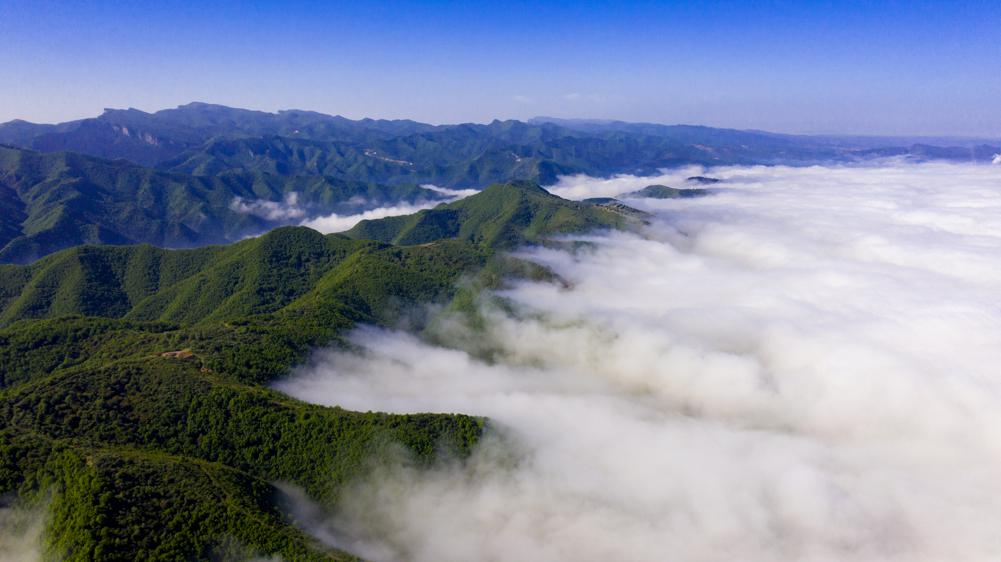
point(270, 210)
point(803, 366)
point(339, 223)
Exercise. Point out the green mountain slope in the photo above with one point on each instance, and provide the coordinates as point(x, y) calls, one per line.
point(453, 156)
point(173, 414)
point(133, 390)
point(253, 277)
point(265, 274)
point(54, 201)
point(449, 158)
point(158, 458)
point(501, 216)
point(658, 191)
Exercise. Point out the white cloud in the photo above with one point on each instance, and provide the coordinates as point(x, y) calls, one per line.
point(453, 194)
point(997, 159)
point(581, 186)
point(270, 210)
point(21, 533)
point(339, 223)
point(584, 97)
point(802, 367)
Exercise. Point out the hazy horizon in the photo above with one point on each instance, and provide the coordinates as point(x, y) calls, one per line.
point(847, 69)
point(530, 118)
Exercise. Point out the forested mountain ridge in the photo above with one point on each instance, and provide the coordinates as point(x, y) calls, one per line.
point(205, 138)
point(57, 200)
point(501, 216)
point(150, 138)
point(182, 175)
point(133, 399)
point(264, 274)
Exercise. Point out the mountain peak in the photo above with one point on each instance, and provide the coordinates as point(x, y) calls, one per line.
point(129, 111)
point(202, 105)
point(523, 186)
point(504, 215)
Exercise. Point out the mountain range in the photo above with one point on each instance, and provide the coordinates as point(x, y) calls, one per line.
point(57, 200)
point(206, 174)
point(187, 137)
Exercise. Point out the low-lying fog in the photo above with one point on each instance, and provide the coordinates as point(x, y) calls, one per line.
point(339, 223)
point(290, 211)
point(805, 365)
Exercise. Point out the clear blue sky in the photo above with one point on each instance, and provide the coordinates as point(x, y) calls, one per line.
point(843, 67)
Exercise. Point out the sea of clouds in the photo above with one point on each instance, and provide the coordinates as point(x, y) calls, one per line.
point(805, 365)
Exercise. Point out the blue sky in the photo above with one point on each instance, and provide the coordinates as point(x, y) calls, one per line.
point(838, 67)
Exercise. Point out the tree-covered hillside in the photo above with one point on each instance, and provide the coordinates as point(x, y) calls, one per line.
point(658, 191)
point(204, 174)
point(58, 200)
point(150, 138)
point(207, 139)
point(263, 275)
point(455, 156)
point(133, 399)
point(501, 216)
